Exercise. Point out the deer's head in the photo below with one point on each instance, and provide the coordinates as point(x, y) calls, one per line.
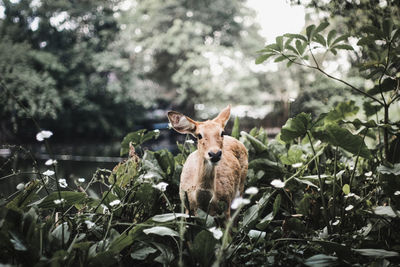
point(209, 134)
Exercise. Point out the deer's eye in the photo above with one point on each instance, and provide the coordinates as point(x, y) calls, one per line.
point(222, 134)
point(199, 136)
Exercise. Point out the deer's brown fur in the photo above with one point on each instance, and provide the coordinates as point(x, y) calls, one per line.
point(207, 183)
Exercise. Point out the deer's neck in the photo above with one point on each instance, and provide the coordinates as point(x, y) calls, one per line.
point(206, 174)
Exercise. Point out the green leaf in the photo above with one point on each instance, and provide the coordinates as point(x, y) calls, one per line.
point(376, 253)
point(387, 170)
point(167, 254)
point(297, 36)
point(258, 146)
point(160, 230)
point(204, 247)
point(320, 39)
point(294, 155)
point(277, 205)
point(265, 221)
point(371, 108)
point(280, 58)
point(387, 85)
point(137, 138)
point(121, 242)
point(321, 27)
point(58, 232)
point(70, 198)
point(337, 136)
point(387, 27)
point(331, 35)
point(143, 253)
point(168, 217)
point(366, 40)
point(250, 215)
point(358, 123)
point(346, 189)
point(17, 242)
point(300, 46)
point(341, 111)
point(344, 252)
point(343, 47)
point(235, 128)
point(279, 42)
point(296, 127)
point(310, 30)
point(373, 30)
point(385, 211)
point(340, 38)
point(321, 260)
point(262, 58)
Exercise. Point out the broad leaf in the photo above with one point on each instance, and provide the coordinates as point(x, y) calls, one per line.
point(321, 260)
point(385, 211)
point(387, 170)
point(142, 253)
point(376, 253)
point(337, 136)
point(203, 248)
point(310, 30)
point(297, 36)
point(68, 198)
point(346, 189)
point(160, 230)
point(168, 217)
point(296, 127)
point(262, 58)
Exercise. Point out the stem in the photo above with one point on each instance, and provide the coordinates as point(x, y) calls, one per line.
point(358, 156)
point(336, 79)
point(321, 185)
point(334, 185)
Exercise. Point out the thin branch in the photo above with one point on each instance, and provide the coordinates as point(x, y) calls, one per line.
point(336, 79)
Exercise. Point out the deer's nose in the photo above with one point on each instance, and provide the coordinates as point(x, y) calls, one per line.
point(215, 157)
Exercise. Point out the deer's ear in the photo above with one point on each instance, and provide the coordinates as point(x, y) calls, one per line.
point(181, 123)
point(223, 116)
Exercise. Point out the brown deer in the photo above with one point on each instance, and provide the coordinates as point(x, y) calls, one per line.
point(217, 170)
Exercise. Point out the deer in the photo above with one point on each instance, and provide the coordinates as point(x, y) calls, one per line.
point(215, 173)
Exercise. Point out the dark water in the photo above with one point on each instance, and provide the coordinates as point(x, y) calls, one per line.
point(73, 160)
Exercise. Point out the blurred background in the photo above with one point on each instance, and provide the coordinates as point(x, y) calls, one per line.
point(92, 71)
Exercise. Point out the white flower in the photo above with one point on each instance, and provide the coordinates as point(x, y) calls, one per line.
point(368, 174)
point(297, 165)
point(352, 195)
point(251, 190)
point(217, 233)
point(81, 180)
point(161, 186)
point(43, 135)
point(239, 201)
point(58, 201)
point(105, 209)
point(20, 186)
point(89, 224)
point(277, 183)
point(62, 183)
point(156, 131)
point(115, 202)
point(189, 141)
point(50, 162)
point(349, 207)
point(48, 173)
point(336, 222)
point(397, 193)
